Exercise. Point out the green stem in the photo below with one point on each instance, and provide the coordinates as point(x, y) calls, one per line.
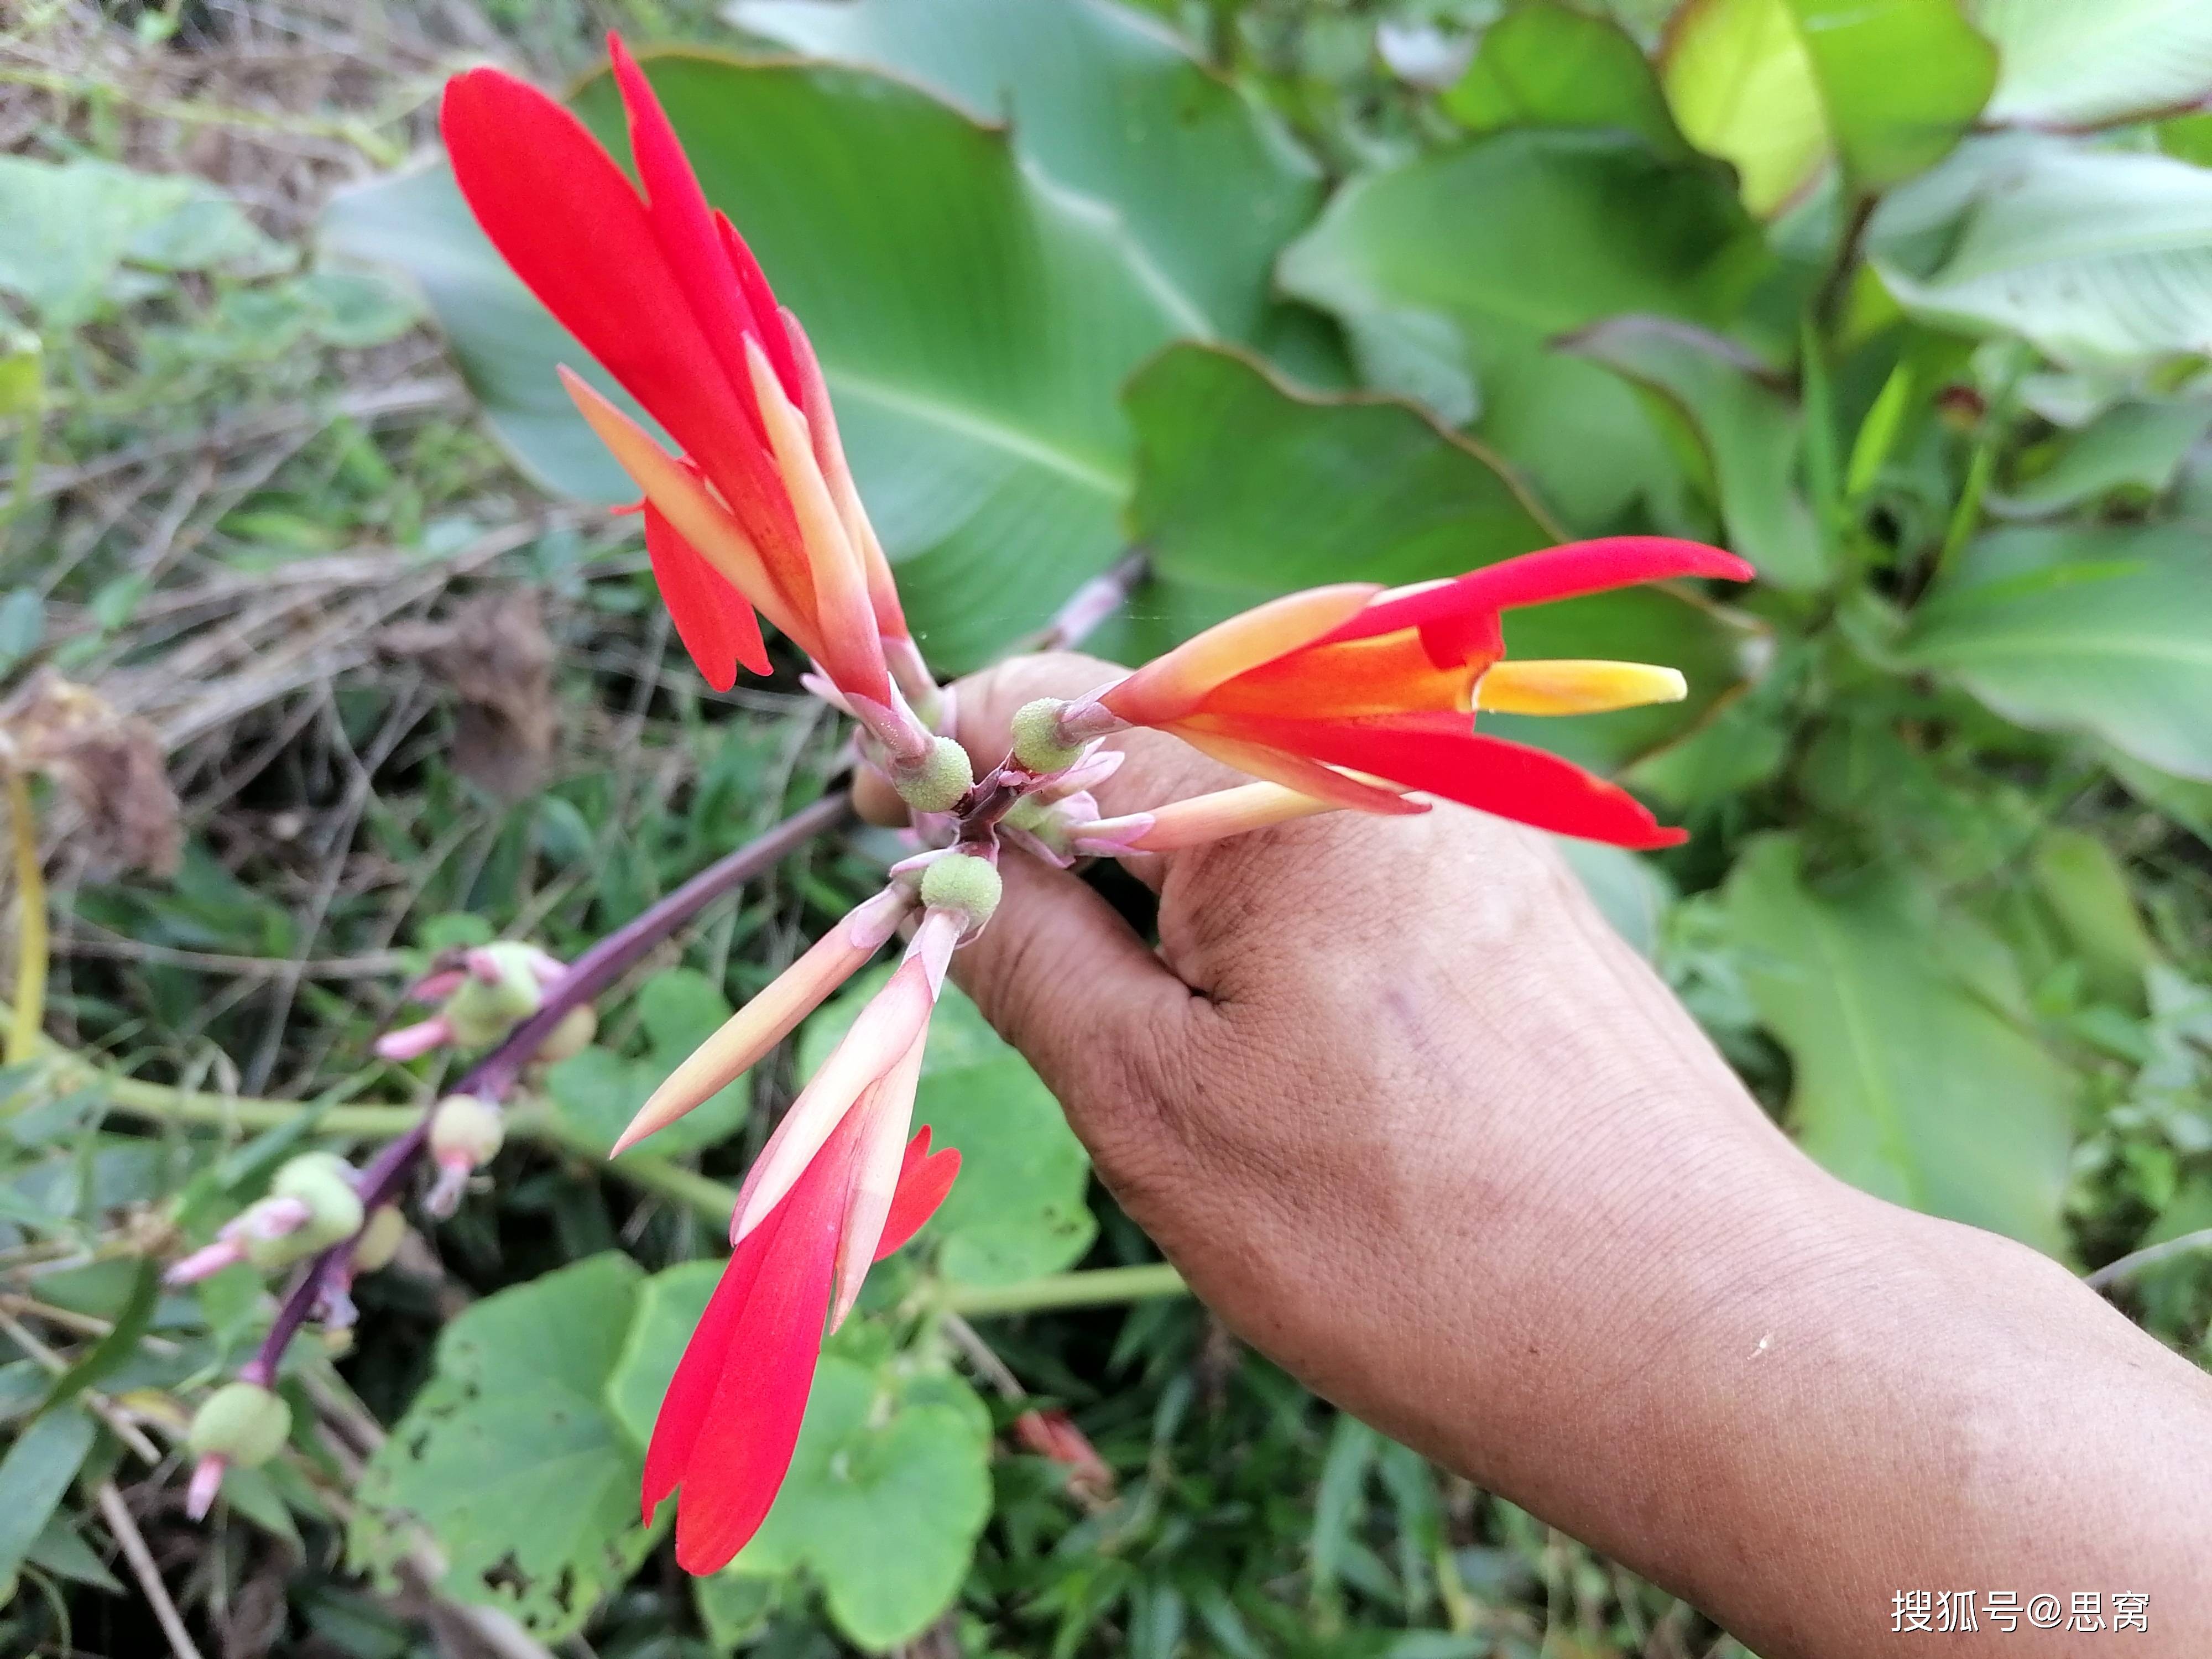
point(1078, 1289)
point(30, 1015)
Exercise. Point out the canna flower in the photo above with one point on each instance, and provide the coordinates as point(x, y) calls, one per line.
point(839, 1187)
point(759, 512)
point(1353, 695)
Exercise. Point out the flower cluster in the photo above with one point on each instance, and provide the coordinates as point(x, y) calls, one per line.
point(1348, 697)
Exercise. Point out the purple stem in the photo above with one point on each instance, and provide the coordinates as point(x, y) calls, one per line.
point(490, 1077)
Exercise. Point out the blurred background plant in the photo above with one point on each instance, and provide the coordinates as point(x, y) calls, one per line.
point(326, 663)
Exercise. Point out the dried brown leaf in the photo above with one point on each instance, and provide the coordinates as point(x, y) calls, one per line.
point(495, 653)
point(109, 763)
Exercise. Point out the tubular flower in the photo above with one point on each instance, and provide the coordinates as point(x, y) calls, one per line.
point(839, 1187)
point(759, 512)
point(1353, 695)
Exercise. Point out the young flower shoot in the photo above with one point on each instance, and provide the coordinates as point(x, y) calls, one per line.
point(1344, 697)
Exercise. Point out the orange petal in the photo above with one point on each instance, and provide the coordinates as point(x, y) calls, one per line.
point(1171, 686)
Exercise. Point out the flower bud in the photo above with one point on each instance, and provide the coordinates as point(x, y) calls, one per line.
point(466, 1131)
point(571, 1037)
point(502, 987)
point(965, 885)
point(936, 782)
point(242, 1422)
point(379, 1239)
point(1038, 743)
point(324, 1182)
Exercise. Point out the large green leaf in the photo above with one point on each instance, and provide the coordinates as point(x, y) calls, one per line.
point(1020, 1206)
point(1914, 1079)
point(599, 1092)
point(2096, 256)
point(1249, 488)
point(1106, 103)
point(1741, 87)
point(510, 1461)
point(2138, 445)
point(1457, 268)
point(974, 320)
point(1899, 81)
point(2099, 63)
point(2102, 631)
point(1548, 65)
point(1750, 431)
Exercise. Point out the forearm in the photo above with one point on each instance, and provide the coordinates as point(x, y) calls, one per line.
point(1788, 1403)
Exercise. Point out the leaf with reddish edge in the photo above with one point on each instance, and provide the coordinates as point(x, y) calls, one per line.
point(732, 1427)
point(1438, 753)
point(925, 1178)
point(712, 619)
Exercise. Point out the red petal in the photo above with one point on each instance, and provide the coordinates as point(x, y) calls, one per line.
point(684, 226)
point(565, 217)
point(716, 625)
point(760, 298)
point(1437, 752)
point(925, 1177)
point(732, 1452)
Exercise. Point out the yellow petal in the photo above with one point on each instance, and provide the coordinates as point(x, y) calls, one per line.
point(1563, 687)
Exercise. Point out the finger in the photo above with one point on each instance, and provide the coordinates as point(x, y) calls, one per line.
point(1061, 976)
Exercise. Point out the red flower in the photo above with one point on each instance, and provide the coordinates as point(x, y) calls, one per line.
point(730, 1418)
point(1326, 689)
point(760, 511)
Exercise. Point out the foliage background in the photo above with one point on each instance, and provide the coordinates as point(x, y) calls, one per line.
point(1906, 301)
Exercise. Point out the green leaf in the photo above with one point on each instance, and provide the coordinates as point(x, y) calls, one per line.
point(1547, 65)
point(597, 1091)
point(2137, 444)
point(1459, 268)
point(22, 624)
point(34, 1477)
point(509, 1459)
point(2101, 631)
point(978, 411)
point(1742, 86)
point(733, 1608)
point(1628, 890)
point(1247, 487)
point(64, 229)
point(1911, 1081)
point(2100, 65)
point(1900, 82)
point(119, 1343)
point(669, 1305)
point(2086, 888)
point(2096, 256)
point(1106, 103)
point(1751, 432)
point(888, 1490)
point(1020, 1206)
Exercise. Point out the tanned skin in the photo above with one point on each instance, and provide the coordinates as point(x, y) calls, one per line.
point(1419, 1126)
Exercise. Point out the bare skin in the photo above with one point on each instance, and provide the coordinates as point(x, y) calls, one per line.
point(1412, 1118)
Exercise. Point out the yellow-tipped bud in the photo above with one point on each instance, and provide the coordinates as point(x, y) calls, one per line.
point(1565, 687)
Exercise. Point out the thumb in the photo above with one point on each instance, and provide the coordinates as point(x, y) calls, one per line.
point(1058, 973)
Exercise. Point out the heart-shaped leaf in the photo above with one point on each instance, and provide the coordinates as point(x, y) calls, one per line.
point(508, 1458)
